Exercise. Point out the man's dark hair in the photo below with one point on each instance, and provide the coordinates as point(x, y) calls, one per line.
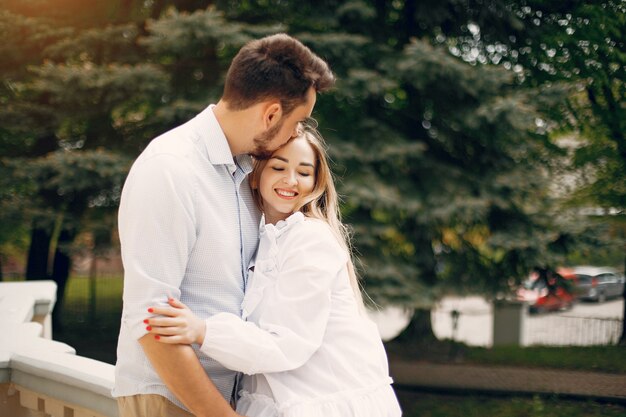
point(275, 67)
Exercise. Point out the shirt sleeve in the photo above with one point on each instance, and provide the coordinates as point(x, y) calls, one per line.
point(157, 232)
point(294, 311)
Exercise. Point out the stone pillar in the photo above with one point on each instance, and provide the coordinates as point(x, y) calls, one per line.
point(508, 322)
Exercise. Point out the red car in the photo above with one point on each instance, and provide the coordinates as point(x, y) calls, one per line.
point(554, 293)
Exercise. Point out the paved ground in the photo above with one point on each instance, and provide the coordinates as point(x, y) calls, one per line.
point(453, 377)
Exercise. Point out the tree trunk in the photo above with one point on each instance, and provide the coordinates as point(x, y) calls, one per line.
point(61, 273)
point(419, 329)
point(622, 340)
point(126, 11)
point(38, 252)
point(381, 18)
point(93, 272)
point(410, 25)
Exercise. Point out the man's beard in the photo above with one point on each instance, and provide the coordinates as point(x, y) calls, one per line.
point(261, 143)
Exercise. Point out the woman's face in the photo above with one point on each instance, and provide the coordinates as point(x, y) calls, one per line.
point(287, 178)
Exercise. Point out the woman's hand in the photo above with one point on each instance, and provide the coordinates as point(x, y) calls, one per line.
point(175, 324)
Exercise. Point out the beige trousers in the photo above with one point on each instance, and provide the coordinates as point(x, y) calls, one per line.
point(149, 405)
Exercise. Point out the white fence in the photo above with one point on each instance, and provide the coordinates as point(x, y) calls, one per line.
point(565, 330)
point(478, 323)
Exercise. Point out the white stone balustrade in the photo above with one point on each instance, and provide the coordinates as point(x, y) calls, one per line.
point(39, 376)
point(25, 301)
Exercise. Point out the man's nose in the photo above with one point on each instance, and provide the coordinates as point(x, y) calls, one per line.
point(295, 133)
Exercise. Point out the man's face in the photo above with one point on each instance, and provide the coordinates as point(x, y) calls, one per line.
point(286, 128)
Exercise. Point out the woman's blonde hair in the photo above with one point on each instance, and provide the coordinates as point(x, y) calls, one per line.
point(322, 203)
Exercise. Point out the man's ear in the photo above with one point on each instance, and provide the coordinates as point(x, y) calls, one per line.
point(272, 114)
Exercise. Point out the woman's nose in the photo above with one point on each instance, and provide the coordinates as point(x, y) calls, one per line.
point(291, 178)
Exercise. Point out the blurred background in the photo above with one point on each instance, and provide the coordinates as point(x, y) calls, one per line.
point(479, 146)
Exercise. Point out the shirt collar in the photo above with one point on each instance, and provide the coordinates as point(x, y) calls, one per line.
point(211, 134)
point(281, 225)
point(245, 162)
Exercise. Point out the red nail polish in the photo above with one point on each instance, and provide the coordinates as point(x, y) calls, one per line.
point(148, 328)
point(150, 310)
point(157, 337)
point(146, 321)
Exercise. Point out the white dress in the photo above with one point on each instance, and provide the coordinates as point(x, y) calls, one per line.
point(303, 346)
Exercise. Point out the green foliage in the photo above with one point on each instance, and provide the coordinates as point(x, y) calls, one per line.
point(95, 89)
point(187, 36)
point(470, 185)
point(578, 45)
point(88, 176)
point(67, 93)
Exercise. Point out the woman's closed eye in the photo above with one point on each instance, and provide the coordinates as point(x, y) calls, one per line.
point(278, 168)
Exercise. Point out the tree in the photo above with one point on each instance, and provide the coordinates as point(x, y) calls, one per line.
point(443, 150)
point(72, 97)
point(445, 161)
point(578, 44)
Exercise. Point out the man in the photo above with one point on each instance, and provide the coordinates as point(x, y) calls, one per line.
point(188, 225)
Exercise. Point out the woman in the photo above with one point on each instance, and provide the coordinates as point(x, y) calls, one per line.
point(303, 341)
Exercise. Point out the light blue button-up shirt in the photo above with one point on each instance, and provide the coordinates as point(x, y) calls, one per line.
point(188, 229)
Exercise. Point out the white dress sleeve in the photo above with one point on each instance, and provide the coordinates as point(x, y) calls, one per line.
point(293, 312)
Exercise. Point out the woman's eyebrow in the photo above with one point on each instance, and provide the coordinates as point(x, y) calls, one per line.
point(281, 158)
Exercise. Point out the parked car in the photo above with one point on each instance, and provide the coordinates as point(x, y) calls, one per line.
point(545, 295)
point(596, 283)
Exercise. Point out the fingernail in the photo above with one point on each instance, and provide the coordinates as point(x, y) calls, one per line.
point(157, 337)
point(150, 310)
point(146, 321)
point(148, 328)
point(171, 300)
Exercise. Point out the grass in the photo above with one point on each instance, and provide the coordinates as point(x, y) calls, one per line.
point(584, 358)
point(611, 359)
point(108, 289)
point(92, 331)
point(419, 404)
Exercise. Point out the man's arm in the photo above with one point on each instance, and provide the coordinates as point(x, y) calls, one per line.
point(157, 233)
point(181, 371)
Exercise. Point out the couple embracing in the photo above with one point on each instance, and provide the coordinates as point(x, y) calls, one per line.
point(240, 297)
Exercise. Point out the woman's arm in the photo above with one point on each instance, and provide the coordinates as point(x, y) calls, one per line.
point(294, 311)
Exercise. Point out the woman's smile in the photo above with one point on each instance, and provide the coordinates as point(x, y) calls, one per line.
point(286, 194)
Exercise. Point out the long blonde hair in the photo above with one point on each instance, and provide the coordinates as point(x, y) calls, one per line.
point(322, 203)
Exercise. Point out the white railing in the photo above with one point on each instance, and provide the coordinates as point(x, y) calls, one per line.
point(40, 376)
point(570, 330)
